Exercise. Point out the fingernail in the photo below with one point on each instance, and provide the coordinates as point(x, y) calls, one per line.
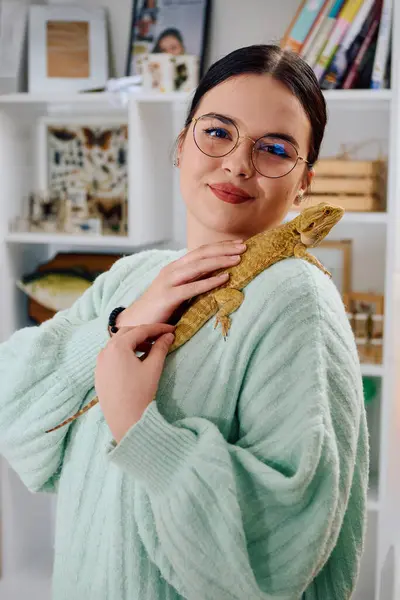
point(170, 338)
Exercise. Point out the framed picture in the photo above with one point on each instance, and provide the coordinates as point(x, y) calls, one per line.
point(67, 49)
point(84, 161)
point(336, 258)
point(168, 73)
point(364, 302)
point(177, 27)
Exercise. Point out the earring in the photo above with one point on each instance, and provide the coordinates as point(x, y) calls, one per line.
point(299, 197)
point(176, 162)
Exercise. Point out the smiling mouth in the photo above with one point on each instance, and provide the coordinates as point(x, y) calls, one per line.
point(229, 196)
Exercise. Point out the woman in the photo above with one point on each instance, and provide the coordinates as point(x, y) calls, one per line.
point(246, 476)
point(170, 41)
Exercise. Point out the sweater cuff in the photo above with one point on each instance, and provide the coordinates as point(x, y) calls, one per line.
point(79, 354)
point(153, 450)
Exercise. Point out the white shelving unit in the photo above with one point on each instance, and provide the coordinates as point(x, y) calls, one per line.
point(156, 217)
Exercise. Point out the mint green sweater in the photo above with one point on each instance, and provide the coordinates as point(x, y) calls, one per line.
point(245, 479)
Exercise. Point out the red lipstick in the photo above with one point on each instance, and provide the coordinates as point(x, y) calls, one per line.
point(230, 193)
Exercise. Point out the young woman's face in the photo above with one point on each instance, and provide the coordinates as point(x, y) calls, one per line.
point(258, 106)
point(171, 45)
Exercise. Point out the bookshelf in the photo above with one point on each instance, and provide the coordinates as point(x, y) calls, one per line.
point(154, 120)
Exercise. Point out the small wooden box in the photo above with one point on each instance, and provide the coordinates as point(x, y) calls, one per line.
point(356, 185)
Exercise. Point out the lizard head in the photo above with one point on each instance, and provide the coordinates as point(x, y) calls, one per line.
point(315, 222)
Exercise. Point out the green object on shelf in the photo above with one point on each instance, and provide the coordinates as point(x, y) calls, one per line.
point(370, 388)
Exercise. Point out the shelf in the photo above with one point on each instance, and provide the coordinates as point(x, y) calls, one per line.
point(110, 99)
point(358, 96)
point(108, 241)
point(372, 370)
point(373, 496)
point(27, 98)
point(356, 217)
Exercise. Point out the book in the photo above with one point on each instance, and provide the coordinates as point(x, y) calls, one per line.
point(382, 46)
point(325, 30)
point(356, 66)
point(315, 29)
point(364, 71)
point(357, 43)
point(291, 24)
point(344, 20)
point(350, 44)
point(306, 15)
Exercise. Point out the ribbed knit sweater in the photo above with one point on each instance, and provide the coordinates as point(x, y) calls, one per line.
point(245, 479)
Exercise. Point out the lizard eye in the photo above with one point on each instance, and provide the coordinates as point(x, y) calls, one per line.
point(327, 211)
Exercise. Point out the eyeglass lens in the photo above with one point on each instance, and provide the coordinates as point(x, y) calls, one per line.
point(272, 157)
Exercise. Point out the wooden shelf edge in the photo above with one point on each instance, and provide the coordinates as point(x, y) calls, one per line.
point(355, 217)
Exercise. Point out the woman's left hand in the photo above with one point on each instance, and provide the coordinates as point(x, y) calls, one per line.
point(126, 384)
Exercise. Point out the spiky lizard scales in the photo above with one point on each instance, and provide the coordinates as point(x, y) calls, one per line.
point(288, 240)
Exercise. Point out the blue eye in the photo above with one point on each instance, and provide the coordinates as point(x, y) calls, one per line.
point(275, 149)
point(217, 132)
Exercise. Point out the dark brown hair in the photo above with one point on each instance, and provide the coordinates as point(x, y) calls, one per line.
point(284, 66)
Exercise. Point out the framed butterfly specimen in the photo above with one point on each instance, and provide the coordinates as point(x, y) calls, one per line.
point(85, 162)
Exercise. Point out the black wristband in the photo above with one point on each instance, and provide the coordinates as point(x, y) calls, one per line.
point(112, 328)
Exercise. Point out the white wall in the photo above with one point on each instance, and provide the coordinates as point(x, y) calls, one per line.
point(234, 23)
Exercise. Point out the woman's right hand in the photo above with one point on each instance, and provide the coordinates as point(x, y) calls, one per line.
point(180, 280)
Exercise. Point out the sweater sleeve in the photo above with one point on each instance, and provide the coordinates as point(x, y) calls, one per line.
point(261, 518)
point(46, 372)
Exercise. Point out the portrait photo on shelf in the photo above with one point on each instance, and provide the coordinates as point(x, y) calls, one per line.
point(83, 162)
point(174, 27)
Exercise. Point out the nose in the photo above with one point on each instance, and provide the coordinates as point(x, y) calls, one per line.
point(238, 162)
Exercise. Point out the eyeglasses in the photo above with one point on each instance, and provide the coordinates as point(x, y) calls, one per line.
point(217, 136)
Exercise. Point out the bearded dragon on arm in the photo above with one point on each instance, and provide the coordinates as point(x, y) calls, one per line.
point(289, 240)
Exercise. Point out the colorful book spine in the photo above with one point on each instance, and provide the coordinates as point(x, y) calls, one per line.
point(382, 46)
point(340, 61)
point(302, 27)
point(352, 74)
point(318, 23)
point(291, 24)
point(346, 17)
point(312, 56)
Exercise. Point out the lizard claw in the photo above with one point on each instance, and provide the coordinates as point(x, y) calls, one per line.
point(225, 325)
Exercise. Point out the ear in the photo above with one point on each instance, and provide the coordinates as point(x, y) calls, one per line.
point(305, 186)
point(179, 147)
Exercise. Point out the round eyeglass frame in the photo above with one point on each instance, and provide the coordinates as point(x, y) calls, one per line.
point(246, 137)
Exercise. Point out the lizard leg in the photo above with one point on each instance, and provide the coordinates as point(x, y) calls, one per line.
point(300, 251)
point(228, 300)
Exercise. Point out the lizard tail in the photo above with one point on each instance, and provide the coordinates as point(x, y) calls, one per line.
point(76, 415)
point(201, 311)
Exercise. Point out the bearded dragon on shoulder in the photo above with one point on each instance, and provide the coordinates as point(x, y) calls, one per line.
point(289, 240)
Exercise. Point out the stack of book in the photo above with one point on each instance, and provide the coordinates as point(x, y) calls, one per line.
point(346, 42)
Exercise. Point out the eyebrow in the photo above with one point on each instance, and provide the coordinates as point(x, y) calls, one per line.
point(283, 136)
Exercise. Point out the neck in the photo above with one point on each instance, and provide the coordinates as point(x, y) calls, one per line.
point(198, 234)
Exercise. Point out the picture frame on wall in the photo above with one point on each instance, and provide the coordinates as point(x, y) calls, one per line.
point(84, 161)
point(177, 27)
point(67, 49)
point(336, 256)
